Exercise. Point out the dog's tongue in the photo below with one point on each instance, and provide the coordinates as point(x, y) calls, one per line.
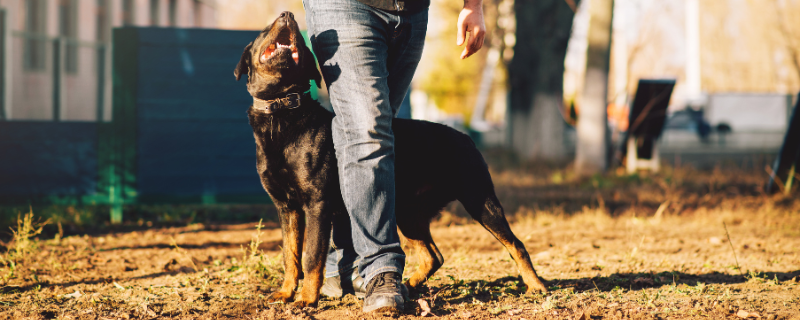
point(270, 51)
point(267, 53)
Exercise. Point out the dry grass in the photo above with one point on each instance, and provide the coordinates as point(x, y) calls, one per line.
point(22, 246)
point(613, 247)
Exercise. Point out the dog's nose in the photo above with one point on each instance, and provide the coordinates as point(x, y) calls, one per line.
point(287, 14)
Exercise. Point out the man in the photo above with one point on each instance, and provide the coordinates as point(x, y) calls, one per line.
point(368, 51)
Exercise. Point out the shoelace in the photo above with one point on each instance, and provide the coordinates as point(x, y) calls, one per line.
point(385, 282)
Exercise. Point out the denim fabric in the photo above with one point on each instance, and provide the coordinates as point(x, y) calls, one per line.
point(367, 57)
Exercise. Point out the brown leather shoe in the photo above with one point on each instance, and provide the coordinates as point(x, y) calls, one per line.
point(353, 284)
point(385, 294)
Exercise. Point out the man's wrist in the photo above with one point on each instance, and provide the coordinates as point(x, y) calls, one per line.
point(473, 4)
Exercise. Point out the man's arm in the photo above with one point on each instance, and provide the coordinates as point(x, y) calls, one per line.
point(471, 20)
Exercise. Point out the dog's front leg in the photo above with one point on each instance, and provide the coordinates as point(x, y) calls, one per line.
point(317, 238)
point(292, 228)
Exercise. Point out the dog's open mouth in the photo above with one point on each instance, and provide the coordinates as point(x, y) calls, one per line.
point(282, 42)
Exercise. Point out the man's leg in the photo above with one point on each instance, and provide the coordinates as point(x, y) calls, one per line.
point(352, 50)
point(405, 51)
point(357, 47)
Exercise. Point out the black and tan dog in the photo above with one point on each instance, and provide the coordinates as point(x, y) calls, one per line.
point(434, 165)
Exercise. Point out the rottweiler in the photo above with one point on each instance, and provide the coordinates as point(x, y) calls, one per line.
point(434, 165)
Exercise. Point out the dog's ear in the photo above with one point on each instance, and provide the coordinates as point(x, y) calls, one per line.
point(244, 63)
point(311, 67)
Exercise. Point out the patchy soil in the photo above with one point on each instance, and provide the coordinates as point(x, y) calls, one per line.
point(666, 254)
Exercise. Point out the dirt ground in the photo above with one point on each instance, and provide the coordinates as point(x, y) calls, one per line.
point(684, 244)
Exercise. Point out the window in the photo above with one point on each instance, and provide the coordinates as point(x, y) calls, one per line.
point(103, 31)
point(2, 64)
point(154, 12)
point(128, 12)
point(35, 37)
point(68, 30)
point(198, 13)
point(173, 13)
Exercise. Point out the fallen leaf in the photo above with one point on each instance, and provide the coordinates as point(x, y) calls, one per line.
point(118, 286)
point(426, 309)
point(613, 304)
point(76, 294)
point(466, 315)
point(744, 314)
point(514, 312)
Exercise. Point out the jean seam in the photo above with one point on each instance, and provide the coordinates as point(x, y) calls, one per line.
point(405, 48)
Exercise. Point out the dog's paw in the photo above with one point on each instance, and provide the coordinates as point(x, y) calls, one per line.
point(302, 304)
point(415, 287)
point(536, 289)
point(281, 296)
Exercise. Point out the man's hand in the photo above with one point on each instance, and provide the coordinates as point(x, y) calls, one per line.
point(471, 20)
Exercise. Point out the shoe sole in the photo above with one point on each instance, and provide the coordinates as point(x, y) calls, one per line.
point(386, 311)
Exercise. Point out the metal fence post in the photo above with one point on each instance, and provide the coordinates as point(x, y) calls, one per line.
point(3, 71)
point(57, 79)
point(101, 81)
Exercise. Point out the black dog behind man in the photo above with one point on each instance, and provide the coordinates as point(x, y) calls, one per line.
point(434, 165)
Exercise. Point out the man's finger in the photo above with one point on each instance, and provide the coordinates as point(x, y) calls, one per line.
point(469, 49)
point(462, 33)
point(474, 44)
point(476, 39)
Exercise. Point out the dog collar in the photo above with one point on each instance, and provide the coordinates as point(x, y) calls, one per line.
point(291, 101)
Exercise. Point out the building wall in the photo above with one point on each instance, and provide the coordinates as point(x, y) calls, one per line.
point(29, 94)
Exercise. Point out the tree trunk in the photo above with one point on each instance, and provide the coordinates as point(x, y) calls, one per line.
point(591, 152)
point(536, 72)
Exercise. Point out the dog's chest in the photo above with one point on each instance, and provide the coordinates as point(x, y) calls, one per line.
point(297, 167)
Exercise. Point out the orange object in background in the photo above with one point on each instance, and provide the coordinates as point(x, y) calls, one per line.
point(618, 116)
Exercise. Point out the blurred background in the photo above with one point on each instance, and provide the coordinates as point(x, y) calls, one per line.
point(100, 100)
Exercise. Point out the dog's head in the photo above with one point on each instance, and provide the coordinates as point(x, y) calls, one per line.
point(278, 61)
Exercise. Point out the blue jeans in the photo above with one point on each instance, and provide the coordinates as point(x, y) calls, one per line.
point(367, 57)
